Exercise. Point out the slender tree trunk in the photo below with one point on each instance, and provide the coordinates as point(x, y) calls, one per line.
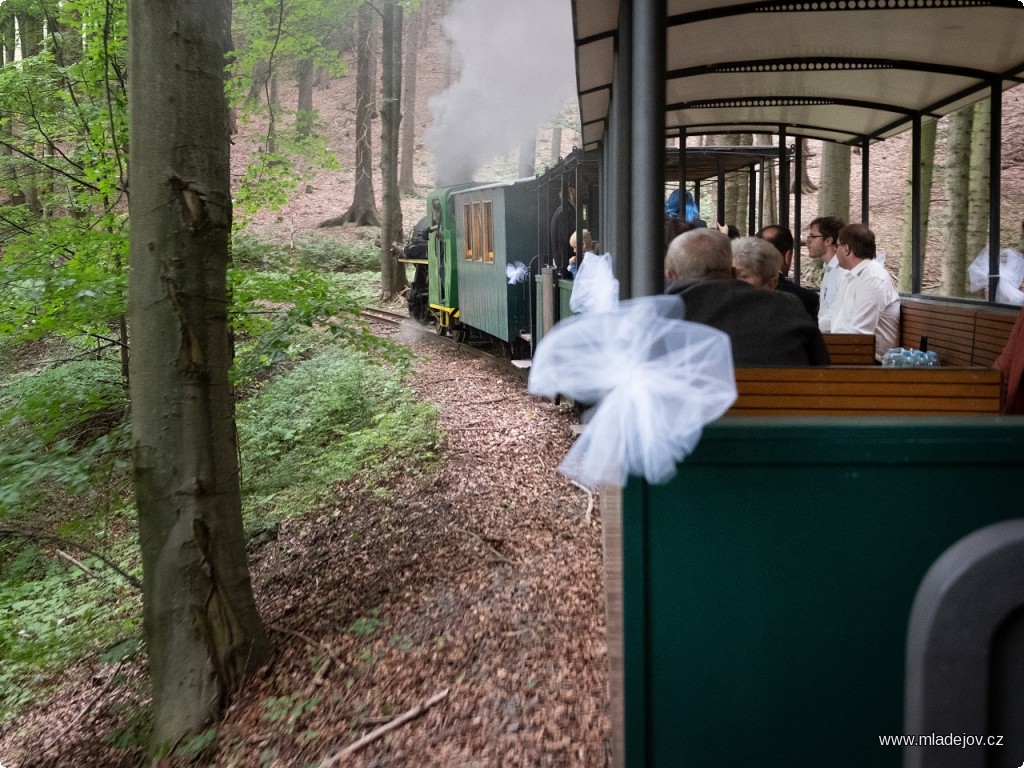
point(202, 631)
point(806, 184)
point(527, 156)
point(392, 278)
point(978, 197)
point(407, 180)
point(556, 144)
point(363, 210)
point(834, 190)
point(926, 170)
point(304, 117)
point(958, 180)
point(770, 210)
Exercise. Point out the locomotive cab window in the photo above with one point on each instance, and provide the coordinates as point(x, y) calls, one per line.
point(479, 228)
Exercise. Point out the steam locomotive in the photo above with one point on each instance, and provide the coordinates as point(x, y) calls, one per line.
point(479, 251)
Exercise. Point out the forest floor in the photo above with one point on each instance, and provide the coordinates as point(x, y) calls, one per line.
point(481, 580)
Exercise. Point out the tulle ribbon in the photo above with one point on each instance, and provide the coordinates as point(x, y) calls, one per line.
point(516, 273)
point(655, 381)
point(594, 288)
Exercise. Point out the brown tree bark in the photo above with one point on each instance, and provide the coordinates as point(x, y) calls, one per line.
point(363, 210)
point(202, 631)
point(304, 117)
point(407, 181)
point(393, 279)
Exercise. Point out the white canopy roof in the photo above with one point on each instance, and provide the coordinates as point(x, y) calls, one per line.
point(844, 70)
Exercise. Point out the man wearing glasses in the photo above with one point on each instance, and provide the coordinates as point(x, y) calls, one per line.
point(821, 244)
point(867, 301)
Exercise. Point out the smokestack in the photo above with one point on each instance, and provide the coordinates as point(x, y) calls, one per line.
point(517, 70)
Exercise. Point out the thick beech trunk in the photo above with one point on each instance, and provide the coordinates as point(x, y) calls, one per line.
point(202, 631)
point(958, 179)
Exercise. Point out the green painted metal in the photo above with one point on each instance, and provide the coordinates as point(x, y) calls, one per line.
point(767, 588)
point(443, 290)
point(488, 301)
point(564, 294)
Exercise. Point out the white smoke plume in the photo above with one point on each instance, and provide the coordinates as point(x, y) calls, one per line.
point(517, 70)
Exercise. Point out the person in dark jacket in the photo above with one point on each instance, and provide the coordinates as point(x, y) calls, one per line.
point(767, 328)
point(782, 239)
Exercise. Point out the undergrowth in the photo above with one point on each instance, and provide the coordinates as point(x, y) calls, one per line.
point(329, 418)
point(321, 401)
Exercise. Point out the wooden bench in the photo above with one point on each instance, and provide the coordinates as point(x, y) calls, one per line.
point(962, 334)
point(866, 391)
point(850, 348)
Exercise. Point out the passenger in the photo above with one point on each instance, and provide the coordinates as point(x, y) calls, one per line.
point(867, 301)
point(588, 247)
point(674, 227)
point(767, 328)
point(1011, 363)
point(563, 221)
point(822, 237)
point(730, 230)
point(782, 238)
point(756, 261)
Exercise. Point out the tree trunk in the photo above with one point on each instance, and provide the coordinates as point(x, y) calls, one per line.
point(770, 207)
point(202, 631)
point(806, 184)
point(304, 116)
point(978, 197)
point(407, 180)
point(958, 180)
point(527, 156)
point(556, 144)
point(834, 189)
point(392, 278)
point(926, 170)
point(363, 211)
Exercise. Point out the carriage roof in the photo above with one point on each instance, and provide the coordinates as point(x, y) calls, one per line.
point(842, 70)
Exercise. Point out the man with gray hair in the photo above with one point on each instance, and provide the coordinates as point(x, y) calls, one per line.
point(766, 328)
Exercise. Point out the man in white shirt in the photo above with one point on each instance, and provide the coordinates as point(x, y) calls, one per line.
point(867, 301)
point(822, 236)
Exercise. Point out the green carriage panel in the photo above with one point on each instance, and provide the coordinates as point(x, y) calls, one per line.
point(497, 227)
point(766, 589)
point(443, 291)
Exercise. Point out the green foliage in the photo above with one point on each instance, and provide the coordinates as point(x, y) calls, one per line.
point(321, 423)
point(368, 625)
point(310, 252)
point(272, 310)
point(60, 430)
point(64, 247)
point(52, 614)
point(289, 708)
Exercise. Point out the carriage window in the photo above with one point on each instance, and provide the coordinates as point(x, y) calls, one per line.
point(479, 231)
point(488, 226)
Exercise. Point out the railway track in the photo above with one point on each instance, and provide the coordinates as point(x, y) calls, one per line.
point(484, 349)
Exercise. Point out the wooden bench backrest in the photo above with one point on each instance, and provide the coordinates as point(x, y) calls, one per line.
point(850, 348)
point(865, 391)
point(962, 334)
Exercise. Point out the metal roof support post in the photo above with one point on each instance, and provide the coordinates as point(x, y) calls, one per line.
point(995, 189)
point(621, 158)
point(783, 179)
point(720, 206)
point(752, 200)
point(798, 191)
point(682, 173)
point(760, 201)
point(916, 249)
point(648, 182)
point(865, 178)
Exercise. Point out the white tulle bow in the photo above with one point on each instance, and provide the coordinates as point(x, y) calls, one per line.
point(655, 381)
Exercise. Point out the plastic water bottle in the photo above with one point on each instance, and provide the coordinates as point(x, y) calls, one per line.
point(907, 358)
point(893, 358)
point(920, 359)
point(932, 359)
